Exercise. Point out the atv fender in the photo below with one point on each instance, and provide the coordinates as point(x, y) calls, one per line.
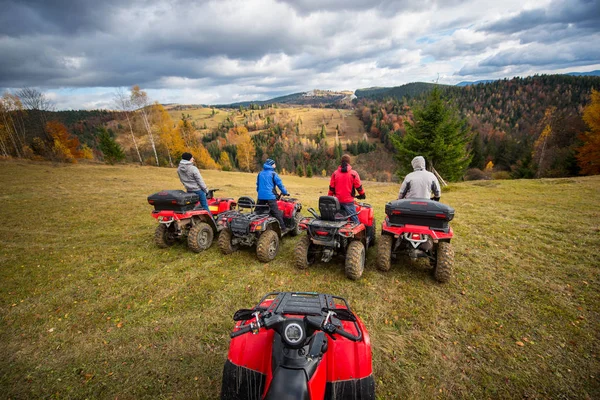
point(207, 219)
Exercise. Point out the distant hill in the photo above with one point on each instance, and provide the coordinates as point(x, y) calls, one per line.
point(590, 73)
point(409, 90)
point(313, 97)
point(469, 83)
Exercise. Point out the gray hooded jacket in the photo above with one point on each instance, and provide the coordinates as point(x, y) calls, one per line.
point(190, 176)
point(420, 183)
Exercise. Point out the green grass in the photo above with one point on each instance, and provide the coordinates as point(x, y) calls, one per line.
point(91, 308)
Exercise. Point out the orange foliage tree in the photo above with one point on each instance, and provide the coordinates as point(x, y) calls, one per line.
point(588, 156)
point(66, 146)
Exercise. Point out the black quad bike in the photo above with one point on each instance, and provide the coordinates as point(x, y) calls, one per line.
point(258, 227)
point(334, 233)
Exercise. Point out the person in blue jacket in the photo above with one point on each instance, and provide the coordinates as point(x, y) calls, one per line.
point(266, 181)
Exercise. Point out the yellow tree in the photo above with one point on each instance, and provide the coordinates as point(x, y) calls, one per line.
point(245, 152)
point(168, 134)
point(203, 158)
point(224, 161)
point(66, 146)
point(588, 156)
point(539, 147)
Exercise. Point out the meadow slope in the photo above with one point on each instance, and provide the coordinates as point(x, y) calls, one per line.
point(90, 308)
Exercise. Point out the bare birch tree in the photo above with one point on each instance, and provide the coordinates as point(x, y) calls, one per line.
point(139, 99)
point(123, 102)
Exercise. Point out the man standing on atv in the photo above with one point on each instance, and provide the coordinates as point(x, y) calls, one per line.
point(266, 181)
point(190, 177)
point(420, 183)
point(344, 183)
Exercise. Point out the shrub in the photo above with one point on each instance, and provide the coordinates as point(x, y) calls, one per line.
point(475, 174)
point(500, 175)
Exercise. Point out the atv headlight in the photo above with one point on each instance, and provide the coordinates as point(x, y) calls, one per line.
point(294, 334)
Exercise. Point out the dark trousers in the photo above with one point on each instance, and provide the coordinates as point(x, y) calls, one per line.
point(203, 201)
point(274, 211)
point(349, 209)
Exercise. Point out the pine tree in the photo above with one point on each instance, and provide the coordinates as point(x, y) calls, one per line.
point(309, 171)
point(438, 135)
point(110, 149)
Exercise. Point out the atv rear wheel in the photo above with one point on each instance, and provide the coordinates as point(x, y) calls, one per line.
point(296, 228)
point(303, 254)
point(225, 242)
point(164, 237)
point(200, 237)
point(445, 259)
point(371, 232)
point(267, 246)
point(384, 252)
point(355, 260)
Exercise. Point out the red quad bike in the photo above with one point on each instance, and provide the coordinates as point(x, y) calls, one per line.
point(301, 346)
point(258, 226)
point(333, 233)
point(180, 214)
point(417, 228)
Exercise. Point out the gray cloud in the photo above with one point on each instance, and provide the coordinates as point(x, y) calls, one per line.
point(234, 49)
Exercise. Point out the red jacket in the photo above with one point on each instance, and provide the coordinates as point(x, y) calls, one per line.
point(344, 184)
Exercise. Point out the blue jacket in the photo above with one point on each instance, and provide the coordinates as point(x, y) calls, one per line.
point(266, 181)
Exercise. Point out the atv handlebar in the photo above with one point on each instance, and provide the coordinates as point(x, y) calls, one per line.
point(244, 329)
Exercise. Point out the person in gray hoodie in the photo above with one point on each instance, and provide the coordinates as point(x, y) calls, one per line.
point(190, 177)
point(420, 183)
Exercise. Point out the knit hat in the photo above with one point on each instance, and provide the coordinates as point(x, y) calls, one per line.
point(187, 156)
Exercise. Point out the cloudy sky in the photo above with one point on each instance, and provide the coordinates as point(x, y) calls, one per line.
point(214, 52)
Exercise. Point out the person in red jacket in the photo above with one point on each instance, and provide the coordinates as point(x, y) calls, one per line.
point(344, 183)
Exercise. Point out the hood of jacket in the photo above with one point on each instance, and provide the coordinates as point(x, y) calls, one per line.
point(348, 169)
point(418, 163)
point(185, 162)
point(268, 167)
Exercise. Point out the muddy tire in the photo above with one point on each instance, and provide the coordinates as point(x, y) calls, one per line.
point(303, 255)
point(371, 233)
point(296, 228)
point(200, 237)
point(445, 260)
point(384, 252)
point(267, 246)
point(355, 260)
point(164, 237)
point(225, 242)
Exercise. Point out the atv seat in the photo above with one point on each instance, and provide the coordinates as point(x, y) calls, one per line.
point(246, 202)
point(329, 207)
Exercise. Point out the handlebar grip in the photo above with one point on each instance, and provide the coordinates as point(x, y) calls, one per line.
point(245, 329)
point(347, 335)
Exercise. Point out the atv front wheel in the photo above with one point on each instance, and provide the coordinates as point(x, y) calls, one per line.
point(225, 242)
point(384, 252)
point(445, 259)
point(303, 254)
point(164, 237)
point(200, 237)
point(267, 246)
point(296, 228)
point(355, 260)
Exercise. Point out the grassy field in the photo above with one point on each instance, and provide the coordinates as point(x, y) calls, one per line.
point(312, 119)
point(90, 308)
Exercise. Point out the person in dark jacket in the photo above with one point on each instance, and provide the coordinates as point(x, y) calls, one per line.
point(345, 182)
point(190, 177)
point(266, 183)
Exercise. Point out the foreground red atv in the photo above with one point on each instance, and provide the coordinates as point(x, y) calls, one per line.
point(333, 233)
point(258, 227)
point(302, 346)
point(419, 229)
point(179, 214)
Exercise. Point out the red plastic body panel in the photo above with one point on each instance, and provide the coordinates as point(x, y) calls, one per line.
point(343, 360)
point(216, 206)
point(287, 208)
point(366, 214)
point(399, 230)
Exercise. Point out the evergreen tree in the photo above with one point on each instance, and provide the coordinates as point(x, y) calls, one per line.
point(309, 172)
point(299, 171)
point(438, 135)
point(110, 149)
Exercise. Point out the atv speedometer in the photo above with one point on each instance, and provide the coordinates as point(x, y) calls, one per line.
point(294, 334)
